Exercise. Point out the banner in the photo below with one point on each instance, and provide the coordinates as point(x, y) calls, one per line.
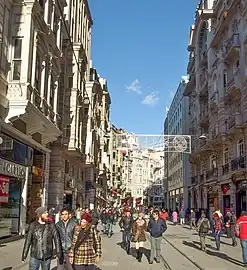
point(4, 189)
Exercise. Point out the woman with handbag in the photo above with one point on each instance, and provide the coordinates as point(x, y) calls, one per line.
point(139, 229)
point(86, 247)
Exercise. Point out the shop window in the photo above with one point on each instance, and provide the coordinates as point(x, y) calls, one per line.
point(10, 206)
point(240, 148)
point(17, 59)
point(225, 156)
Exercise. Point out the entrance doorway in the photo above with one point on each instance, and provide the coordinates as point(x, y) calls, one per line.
point(240, 202)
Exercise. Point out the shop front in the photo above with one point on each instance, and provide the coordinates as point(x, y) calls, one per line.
point(241, 190)
point(213, 200)
point(226, 193)
point(12, 197)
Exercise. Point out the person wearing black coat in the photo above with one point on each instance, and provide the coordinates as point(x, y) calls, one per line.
point(66, 227)
point(40, 238)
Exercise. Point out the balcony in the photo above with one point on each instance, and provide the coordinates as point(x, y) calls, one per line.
point(238, 163)
point(214, 101)
point(234, 120)
point(203, 81)
point(215, 63)
point(190, 85)
point(232, 47)
point(191, 63)
point(233, 87)
point(225, 169)
point(212, 173)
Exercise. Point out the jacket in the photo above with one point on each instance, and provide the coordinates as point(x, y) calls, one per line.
point(139, 232)
point(241, 228)
point(126, 223)
point(95, 217)
point(88, 250)
point(157, 228)
point(66, 233)
point(40, 238)
point(203, 226)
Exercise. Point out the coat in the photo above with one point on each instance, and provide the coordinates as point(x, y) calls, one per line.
point(40, 238)
point(139, 232)
point(88, 250)
point(66, 232)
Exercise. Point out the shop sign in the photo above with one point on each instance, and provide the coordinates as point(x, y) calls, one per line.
point(12, 169)
point(4, 189)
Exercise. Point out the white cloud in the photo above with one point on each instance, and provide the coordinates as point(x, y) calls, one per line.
point(135, 86)
point(151, 99)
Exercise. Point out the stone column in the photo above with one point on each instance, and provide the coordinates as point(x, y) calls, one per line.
point(46, 180)
point(56, 183)
point(23, 209)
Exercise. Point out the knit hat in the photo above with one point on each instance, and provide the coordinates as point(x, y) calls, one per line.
point(86, 217)
point(40, 211)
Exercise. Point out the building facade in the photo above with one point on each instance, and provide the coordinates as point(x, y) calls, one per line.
point(30, 56)
point(217, 92)
point(178, 170)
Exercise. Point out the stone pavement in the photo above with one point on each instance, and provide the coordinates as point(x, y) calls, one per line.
point(114, 257)
point(187, 242)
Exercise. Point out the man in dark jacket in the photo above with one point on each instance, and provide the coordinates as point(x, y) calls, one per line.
point(40, 238)
point(125, 224)
point(65, 229)
point(156, 227)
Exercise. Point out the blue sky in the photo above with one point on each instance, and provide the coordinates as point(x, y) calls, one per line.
point(141, 49)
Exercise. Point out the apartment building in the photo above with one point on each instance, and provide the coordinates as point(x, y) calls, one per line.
point(218, 99)
point(166, 168)
point(30, 66)
point(66, 186)
point(178, 169)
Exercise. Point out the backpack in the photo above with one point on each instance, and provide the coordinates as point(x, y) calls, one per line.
point(204, 226)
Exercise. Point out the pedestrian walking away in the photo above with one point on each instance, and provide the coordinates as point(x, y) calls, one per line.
point(40, 238)
point(203, 229)
point(65, 228)
point(156, 227)
point(139, 229)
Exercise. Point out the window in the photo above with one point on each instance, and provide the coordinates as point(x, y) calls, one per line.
point(212, 162)
point(225, 80)
point(225, 156)
point(17, 59)
point(66, 166)
point(240, 148)
point(114, 155)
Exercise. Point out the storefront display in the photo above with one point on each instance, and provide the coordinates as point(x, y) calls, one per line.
point(12, 178)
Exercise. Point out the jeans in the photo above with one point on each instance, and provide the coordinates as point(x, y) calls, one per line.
point(66, 265)
point(155, 248)
point(182, 221)
point(34, 264)
point(192, 223)
point(109, 228)
point(217, 240)
point(126, 237)
point(244, 250)
point(202, 240)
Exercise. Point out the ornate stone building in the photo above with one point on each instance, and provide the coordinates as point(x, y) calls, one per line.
point(218, 100)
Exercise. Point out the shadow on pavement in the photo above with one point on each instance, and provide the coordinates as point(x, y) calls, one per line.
point(207, 245)
point(224, 243)
point(2, 245)
point(7, 268)
point(191, 244)
point(224, 257)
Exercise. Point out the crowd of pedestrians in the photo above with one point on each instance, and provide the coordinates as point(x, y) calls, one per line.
point(75, 238)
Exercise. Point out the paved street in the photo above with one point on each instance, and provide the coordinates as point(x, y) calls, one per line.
point(114, 257)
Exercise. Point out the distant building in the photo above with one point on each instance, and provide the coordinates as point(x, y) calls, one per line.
point(177, 164)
